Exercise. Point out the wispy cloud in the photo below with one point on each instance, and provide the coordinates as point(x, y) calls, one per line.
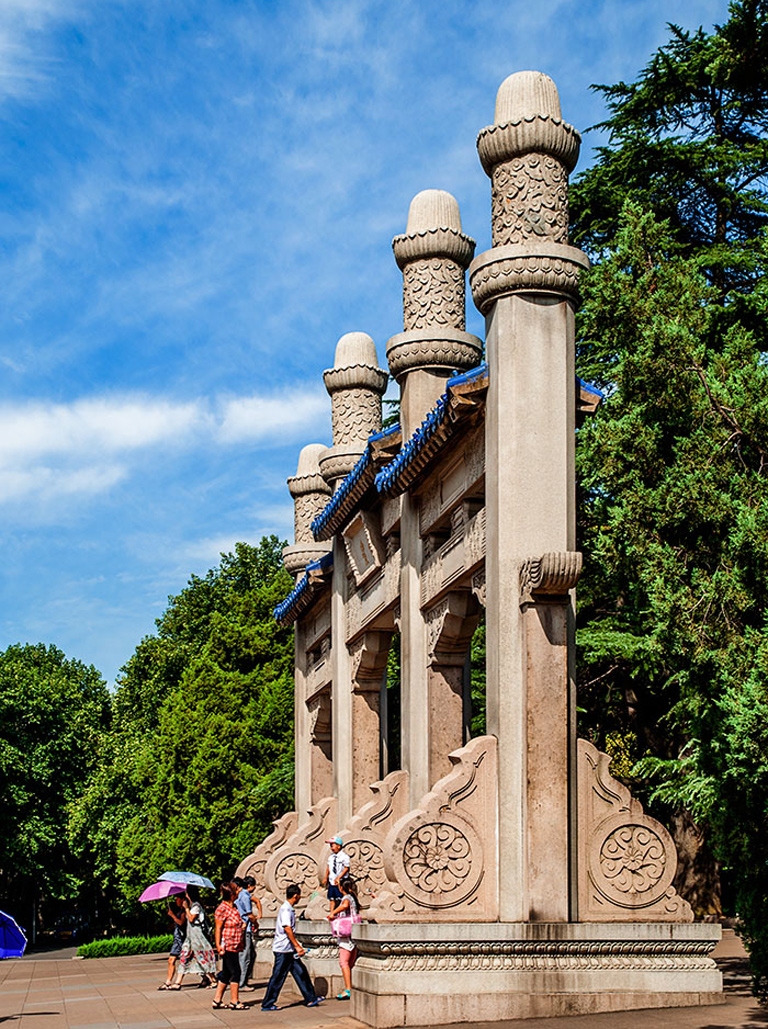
point(91, 444)
point(25, 62)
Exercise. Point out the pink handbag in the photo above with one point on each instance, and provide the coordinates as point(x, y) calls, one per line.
point(342, 926)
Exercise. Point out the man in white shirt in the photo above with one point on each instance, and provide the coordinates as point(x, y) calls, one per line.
point(336, 869)
point(288, 953)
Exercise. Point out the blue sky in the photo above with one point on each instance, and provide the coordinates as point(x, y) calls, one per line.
point(197, 198)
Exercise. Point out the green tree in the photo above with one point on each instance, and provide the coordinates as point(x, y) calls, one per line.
point(201, 757)
point(672, 624)
point(672, 620)
point(687, 141)
point(53, 712)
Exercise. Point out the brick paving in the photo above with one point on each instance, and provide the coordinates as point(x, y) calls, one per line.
point(53, 991)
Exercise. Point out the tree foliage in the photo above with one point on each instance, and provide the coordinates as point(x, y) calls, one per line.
point(673, 631)
point(200, 758)
point(53, 711)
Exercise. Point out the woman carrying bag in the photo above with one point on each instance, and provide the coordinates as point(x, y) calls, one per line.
point(344, 914)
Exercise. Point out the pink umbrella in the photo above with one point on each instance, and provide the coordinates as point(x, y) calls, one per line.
point(159, 890)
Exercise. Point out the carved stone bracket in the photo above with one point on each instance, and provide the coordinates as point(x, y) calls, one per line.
point(364, 837)
point(364, 545)
point(478, 585)
point(319, 707)
point(297, 860)
point(551, 574)
point(369, 656)
point(450, 625)
point(626, 859)
point(255, 864)
point(437, 857)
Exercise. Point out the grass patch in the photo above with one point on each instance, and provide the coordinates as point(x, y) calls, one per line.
point(125, 945)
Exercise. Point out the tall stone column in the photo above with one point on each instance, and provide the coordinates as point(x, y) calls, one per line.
point(310, 494)
point(433, 254)
point(526, 286)
point(355, 384)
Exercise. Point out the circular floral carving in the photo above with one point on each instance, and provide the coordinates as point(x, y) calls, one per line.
point(366, 864)
point(297, 868)
point(633, 859)
point(437, 857)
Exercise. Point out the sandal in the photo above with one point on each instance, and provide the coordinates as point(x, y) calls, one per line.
point(175, 986)
point(238, 1007)
point(344, 995)
point(219, 1004)
point(166, 986)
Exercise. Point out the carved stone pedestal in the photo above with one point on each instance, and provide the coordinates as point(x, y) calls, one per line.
point(443, 974)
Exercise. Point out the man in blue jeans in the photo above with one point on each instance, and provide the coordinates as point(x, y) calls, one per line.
point(288, 954)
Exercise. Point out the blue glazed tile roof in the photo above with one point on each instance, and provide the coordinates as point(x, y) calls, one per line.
point(409, 462)
point(301, 595)
point(360, 479)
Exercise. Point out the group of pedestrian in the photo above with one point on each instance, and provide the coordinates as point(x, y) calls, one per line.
point(236, 923)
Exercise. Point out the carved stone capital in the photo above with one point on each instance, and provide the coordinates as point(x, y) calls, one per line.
point(553, 574)
point(525, 268)
point(299, 555)
point(433, 348)
point(305, 485)
point(478, 586)
point(433, 242)
point(537, 133)
point(338, 462)
point(357, 376)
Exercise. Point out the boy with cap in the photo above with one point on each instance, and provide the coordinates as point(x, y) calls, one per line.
point(336, 869)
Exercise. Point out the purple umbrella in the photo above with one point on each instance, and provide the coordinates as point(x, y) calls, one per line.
point(159, 890)
point(12, 938)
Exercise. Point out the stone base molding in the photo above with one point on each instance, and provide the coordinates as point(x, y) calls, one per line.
point(256, 863)
point(526, 268)
point(455, 973)
point(626, 859)
point(439, 859)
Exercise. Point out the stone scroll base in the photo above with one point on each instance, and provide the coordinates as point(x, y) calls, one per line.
point(422, 974)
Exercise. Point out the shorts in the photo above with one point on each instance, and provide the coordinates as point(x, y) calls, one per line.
point(334, 893)
point(347, 958)
point(178, 943)
point(230, 967)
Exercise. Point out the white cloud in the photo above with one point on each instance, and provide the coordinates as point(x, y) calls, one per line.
point(24, 65)
point(88, 446)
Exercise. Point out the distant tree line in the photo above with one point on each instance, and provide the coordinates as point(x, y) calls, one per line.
point(185, 765)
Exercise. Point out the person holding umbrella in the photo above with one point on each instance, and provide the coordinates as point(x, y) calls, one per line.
point(179, 915)
point(197, 953)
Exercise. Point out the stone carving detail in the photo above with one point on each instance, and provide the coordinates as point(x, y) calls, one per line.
point(320, 717)
point(450, 625)
point(364, 837)
point(528, 267)
point(437, 858)
point(626, 859)
point(434, 856)
point(555, 955)
point(356, 414)
point(553, 574)
point(255, 864)
point(366, 865)
point(478, 586)
point(369, 661)
point(529, 200)
point(433, 294)
point(433, 347)
point(296, 868)
point(632, 859)
point(306, 508)
point(298, 859)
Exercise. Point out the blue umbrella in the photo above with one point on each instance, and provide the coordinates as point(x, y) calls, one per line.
point(12, 938)
point(187, 879)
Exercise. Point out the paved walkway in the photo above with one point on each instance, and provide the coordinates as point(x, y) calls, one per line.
point(55, 992)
